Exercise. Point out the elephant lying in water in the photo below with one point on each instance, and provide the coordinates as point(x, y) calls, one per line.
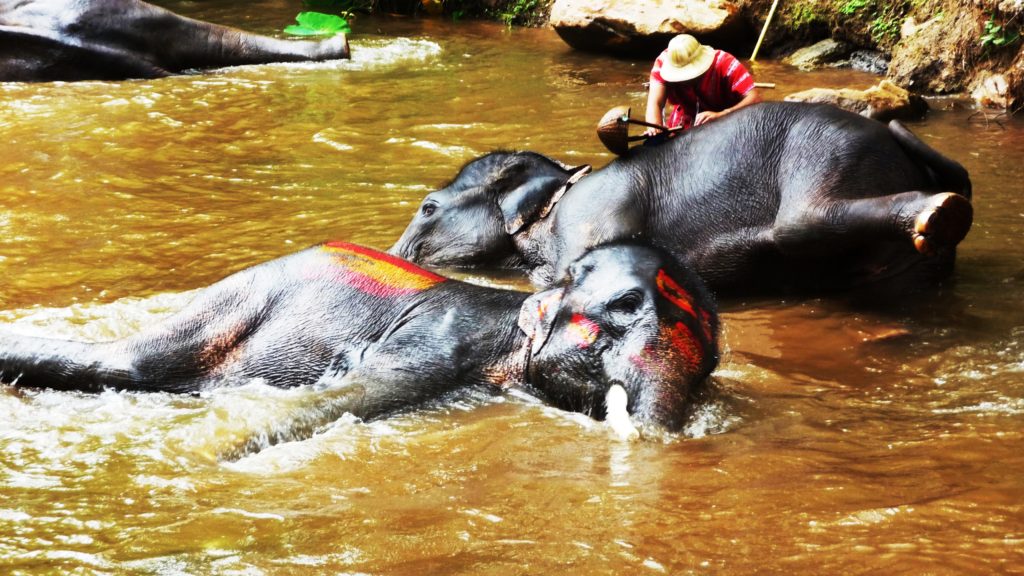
point(776, 197)
point(349, 317)
point(44, 40)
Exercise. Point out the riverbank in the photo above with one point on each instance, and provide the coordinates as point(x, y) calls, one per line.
point(932, 46)
point(926, 46)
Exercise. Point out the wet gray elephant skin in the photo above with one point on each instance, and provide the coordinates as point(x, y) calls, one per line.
point(391, 335)
point(46, 40)
point(777, 197)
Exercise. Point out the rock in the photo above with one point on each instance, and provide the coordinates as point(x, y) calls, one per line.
point(1015, 82)
point(883, 102)
point(869, 61)
point(935, 57)
point(819, 54)
point(992, 91)
point(644, 27)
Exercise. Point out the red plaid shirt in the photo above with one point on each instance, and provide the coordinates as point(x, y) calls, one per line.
point(721, 87)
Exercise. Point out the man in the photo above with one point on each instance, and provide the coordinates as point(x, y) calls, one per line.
point(699, 82)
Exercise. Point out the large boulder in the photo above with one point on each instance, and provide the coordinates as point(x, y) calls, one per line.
point(644, 27)
point(974, 48)
point(936, 56)
point(818, 54)
point(883, 102)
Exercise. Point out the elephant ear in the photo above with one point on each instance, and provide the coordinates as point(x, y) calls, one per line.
point(534, 198)
point(537, 317)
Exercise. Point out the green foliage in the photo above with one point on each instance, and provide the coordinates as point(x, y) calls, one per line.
point(998, 35)
point(318, 24)
point(882, 27)
point(517, 10)
point(883, 18)
point(887, 22)
point(802, 15)
point(852, 6)
point(457, 9)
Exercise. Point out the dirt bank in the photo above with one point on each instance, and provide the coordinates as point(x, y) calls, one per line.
point(936, 46)
point(933, 46)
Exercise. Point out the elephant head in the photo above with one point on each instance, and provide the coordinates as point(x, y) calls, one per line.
point(625, 314)
point(471, 221)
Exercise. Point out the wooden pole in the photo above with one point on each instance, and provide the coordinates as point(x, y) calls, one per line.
point(764, 29)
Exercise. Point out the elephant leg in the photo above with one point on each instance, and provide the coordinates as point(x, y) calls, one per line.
point(932, 222)
point(390, 381)
point(738, 259)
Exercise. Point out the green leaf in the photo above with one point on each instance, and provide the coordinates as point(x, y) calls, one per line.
point(318, 24)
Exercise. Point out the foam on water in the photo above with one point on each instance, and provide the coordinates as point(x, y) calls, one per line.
point(367, 54)
point(93, 322)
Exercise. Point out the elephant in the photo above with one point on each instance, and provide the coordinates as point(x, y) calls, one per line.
point(47, 40)
point(390, 336)
point(776, 198)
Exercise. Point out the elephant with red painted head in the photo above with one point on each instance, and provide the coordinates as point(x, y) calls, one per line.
point(385, 335)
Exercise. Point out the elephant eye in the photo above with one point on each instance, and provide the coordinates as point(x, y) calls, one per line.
point(627, 303)
point(428, 209)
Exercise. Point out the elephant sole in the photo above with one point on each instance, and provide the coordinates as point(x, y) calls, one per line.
point(943, 223)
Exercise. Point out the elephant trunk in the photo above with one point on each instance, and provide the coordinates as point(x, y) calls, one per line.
point(199, 44)
point(63, 365)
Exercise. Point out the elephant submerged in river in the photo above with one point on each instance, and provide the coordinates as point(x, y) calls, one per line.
point(777, 197)
point(46, 40)
point(392, 335)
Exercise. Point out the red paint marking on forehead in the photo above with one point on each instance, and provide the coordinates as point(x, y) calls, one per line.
point(678, 295)
point(377, 273)
point(583, 330)
point(674, 293)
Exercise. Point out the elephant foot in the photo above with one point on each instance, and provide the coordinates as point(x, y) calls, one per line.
point(943, 223)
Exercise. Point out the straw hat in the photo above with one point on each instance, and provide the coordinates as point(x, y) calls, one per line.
point(686, 59)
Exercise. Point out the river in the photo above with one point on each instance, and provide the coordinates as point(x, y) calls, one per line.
point(839, 438)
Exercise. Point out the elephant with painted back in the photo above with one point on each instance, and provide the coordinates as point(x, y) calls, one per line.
point(383, 335)
point(45, 40)
point(777, 197)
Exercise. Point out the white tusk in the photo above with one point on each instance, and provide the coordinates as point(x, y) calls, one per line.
point(616, 414)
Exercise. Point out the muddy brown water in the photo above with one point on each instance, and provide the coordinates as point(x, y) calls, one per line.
point(839, 439)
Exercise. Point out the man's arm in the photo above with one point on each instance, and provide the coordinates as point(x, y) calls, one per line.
point(751, 97)
point(656, 96)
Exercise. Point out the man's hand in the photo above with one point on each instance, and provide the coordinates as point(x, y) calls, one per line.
point(707, 116)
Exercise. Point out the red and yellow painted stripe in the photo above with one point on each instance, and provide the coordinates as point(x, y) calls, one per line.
point(377, 273)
